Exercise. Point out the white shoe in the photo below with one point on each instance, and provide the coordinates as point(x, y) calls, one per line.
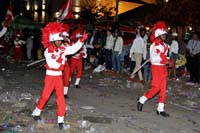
point(189, 83)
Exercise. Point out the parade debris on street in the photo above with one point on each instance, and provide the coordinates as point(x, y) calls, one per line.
point(105, 103)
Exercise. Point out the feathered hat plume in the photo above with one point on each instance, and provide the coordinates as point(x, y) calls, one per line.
point(51, 32)
point(65, 30)
point(157, 30)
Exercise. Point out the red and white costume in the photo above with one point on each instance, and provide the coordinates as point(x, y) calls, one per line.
point(158, 58)
point(55, 61)
point(76, 62)
point(17, 51)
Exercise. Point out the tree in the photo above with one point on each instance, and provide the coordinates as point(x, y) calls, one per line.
point(97, 11)
point(176, 12)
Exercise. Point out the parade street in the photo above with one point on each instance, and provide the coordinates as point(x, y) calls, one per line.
point(104, 103)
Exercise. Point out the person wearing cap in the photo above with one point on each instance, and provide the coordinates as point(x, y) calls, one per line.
point(66, 71)
point(76, 61)
point(55, 59)
point(173, 53)
point(158, 58)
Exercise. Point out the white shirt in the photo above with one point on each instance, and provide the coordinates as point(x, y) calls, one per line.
point(109, 42)
point(155, 53)
point(194, 46)
point(139, 46)
point(118, 45)
point(174, 47)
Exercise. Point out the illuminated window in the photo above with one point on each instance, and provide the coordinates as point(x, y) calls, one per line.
point(43, 16)
point(76, 16)
point(35, 16)
point(36, 7)
point(28, 6)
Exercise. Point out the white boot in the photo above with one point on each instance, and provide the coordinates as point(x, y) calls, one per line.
point(77, 81)
point(161, 111)
point(65, 90)
point(160, 107)
point(61, 122)
point(60, 119)
point(140, 102)
point(142, 99)
point(36, 112)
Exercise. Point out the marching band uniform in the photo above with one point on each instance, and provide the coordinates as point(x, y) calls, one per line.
point(76, 62)
point(158, 58)
point(55, 60)
point(17, 51)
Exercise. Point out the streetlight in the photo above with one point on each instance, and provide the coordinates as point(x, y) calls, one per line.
point(166, 1)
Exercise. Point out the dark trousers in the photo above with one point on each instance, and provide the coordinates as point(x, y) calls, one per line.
point(108, 59)
point(194, 68)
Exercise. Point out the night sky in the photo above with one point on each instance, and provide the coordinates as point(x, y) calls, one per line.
point(3, 9)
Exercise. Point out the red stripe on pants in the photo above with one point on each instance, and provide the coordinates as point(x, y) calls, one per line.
point(51, 83)
point(76, 64)
point(66, 74)
point(158, 83)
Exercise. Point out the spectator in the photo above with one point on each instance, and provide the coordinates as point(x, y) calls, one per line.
point(29, 47)
point(89, 46)
point(139, 50)
point(193, 49)
point(173, 53)
point(108, 49)
point(116, 51)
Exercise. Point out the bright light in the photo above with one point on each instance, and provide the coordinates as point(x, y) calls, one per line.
point(77, 9)
point(43, 1)
point(36, 7)
point(190, 28)
point(56, 14)
point(166, 1)
point(28, 7)
point(43, 7)
point(147, 28)
point(169, 28)
point(35, 16)
point(43, 16)
point(76, 16)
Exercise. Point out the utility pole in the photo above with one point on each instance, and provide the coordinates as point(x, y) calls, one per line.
point(117, 7)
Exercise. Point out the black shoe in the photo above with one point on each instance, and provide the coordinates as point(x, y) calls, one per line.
point(139, 105)
point(164, 114)
point(36, 118)
point(61, 125)
point(77, 86)
point(66, 96)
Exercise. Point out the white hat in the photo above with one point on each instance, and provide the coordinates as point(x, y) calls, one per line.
point(55, 37)
point(174, 34)
point(18, 35)
point(160, 32)
point(78, 35)
point(65, 34)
